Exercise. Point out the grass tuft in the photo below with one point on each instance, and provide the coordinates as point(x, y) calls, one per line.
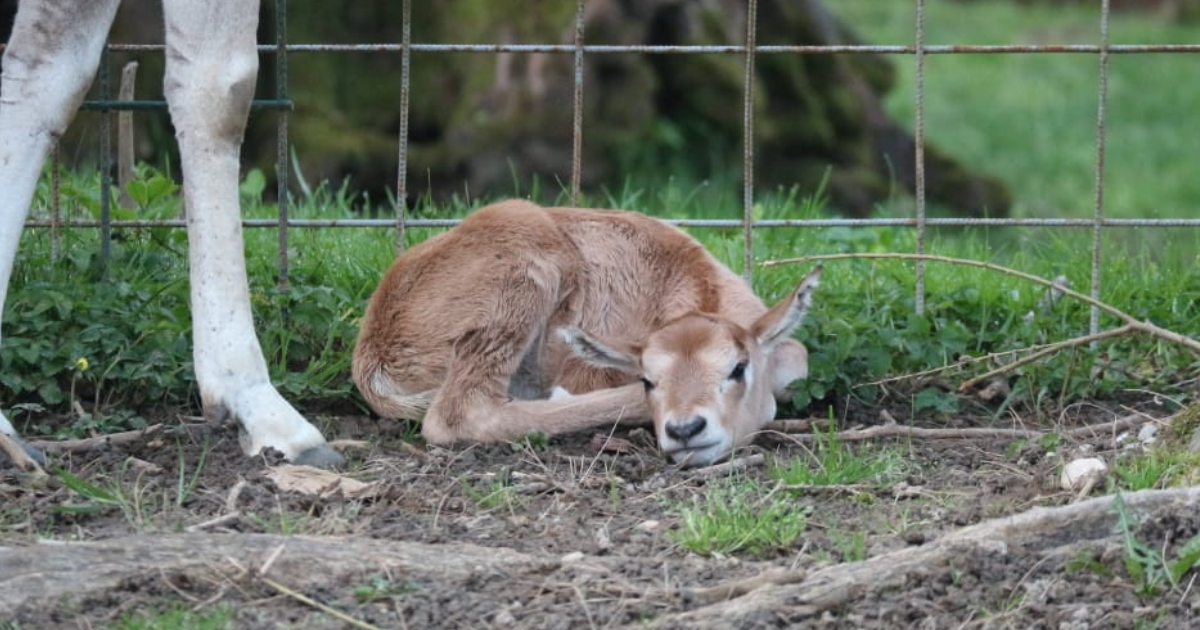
point(176, 618)
point(835, 463)
point(735, 516)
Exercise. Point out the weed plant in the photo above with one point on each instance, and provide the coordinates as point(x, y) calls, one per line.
point(1153, 568)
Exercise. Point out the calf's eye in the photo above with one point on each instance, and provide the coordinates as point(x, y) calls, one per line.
point(739, 372)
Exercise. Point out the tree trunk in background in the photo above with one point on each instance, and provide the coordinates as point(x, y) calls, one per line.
point(482, 123)
point(487, 124)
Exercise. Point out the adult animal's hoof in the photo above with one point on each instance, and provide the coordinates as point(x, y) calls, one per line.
point(322, 456)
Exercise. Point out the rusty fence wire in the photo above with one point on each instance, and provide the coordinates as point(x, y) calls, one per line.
point(579, 49)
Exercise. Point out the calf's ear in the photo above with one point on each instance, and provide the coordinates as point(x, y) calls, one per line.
point(778, 323)
point(600, 353)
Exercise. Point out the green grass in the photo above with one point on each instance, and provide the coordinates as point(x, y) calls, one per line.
point(832, 462)
point(1029, 119)
point(736, 516)
point(134, 329)
point(176, 618)
point(379, 588)
point(1159, 467)
point(494, 495)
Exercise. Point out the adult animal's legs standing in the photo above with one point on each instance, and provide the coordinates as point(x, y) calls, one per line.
point(49, 62)
point(212, 63)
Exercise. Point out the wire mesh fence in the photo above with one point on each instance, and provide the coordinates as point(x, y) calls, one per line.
point(282, 50)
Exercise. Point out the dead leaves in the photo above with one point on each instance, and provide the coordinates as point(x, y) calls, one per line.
point(317, 482)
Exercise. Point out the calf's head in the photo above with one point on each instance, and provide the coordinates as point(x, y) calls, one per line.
point(709, 382)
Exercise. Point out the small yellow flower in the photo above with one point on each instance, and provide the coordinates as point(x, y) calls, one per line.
point(82, 364)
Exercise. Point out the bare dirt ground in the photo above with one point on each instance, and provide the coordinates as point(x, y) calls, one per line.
point(566, 535)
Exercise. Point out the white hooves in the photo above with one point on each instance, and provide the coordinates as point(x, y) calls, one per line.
point(269, 421)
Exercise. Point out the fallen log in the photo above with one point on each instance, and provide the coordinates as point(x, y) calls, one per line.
point(48, 571)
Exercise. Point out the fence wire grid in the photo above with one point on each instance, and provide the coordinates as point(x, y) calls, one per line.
point(282, 49)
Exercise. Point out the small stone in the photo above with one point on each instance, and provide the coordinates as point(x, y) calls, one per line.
point(1083, 472)
point(647, 526)
point(1148, 434)
point(504, 618)
point(603, 541)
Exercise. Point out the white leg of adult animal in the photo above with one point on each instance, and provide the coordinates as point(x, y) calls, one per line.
point(49, 63)
point(211, 68)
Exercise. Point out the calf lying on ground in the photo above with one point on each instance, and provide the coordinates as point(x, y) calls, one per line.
point(616, 316)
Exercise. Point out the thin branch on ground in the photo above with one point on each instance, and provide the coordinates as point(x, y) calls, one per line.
point(266, 565)
point(962, 363)
point(98, 442)
point(235, 493)
point(162, 575)
point(976, 433)
point(739, 587)
point(1047, 351)
point(741, 463)
point(224, 519)
point(801, 425)
point(304, 599)
point(1130, 320)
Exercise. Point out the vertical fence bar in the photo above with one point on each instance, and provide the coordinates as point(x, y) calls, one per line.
point(105, 168)
point(919, 164)
point(577, 128)
point(1098, 216)
point(402, 162)
point(748, 144)
point(55, 204)
point(281, 139)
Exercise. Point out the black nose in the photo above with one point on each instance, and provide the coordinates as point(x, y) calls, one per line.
point(683, 431)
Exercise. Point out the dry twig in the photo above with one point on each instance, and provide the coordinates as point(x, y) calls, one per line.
point(802, 425)
point(235, 493)
point(213, 522)
point(94, 443)
point(737, 588)
point(1047, 351)
point(741, 463)
point(304, 599)
point(900, 430)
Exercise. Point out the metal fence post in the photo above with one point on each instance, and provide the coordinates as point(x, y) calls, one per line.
point(105, 169)
point(281, 139)
point(748, 144)
point(919, 163)
point(1098, 216)
point(402, 167)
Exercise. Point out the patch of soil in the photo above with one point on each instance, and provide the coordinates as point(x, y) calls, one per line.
point(575, 537)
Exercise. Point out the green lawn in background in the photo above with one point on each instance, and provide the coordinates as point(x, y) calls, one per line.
point(1031, 118)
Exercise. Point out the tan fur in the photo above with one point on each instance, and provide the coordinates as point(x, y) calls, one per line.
point(465, 327)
